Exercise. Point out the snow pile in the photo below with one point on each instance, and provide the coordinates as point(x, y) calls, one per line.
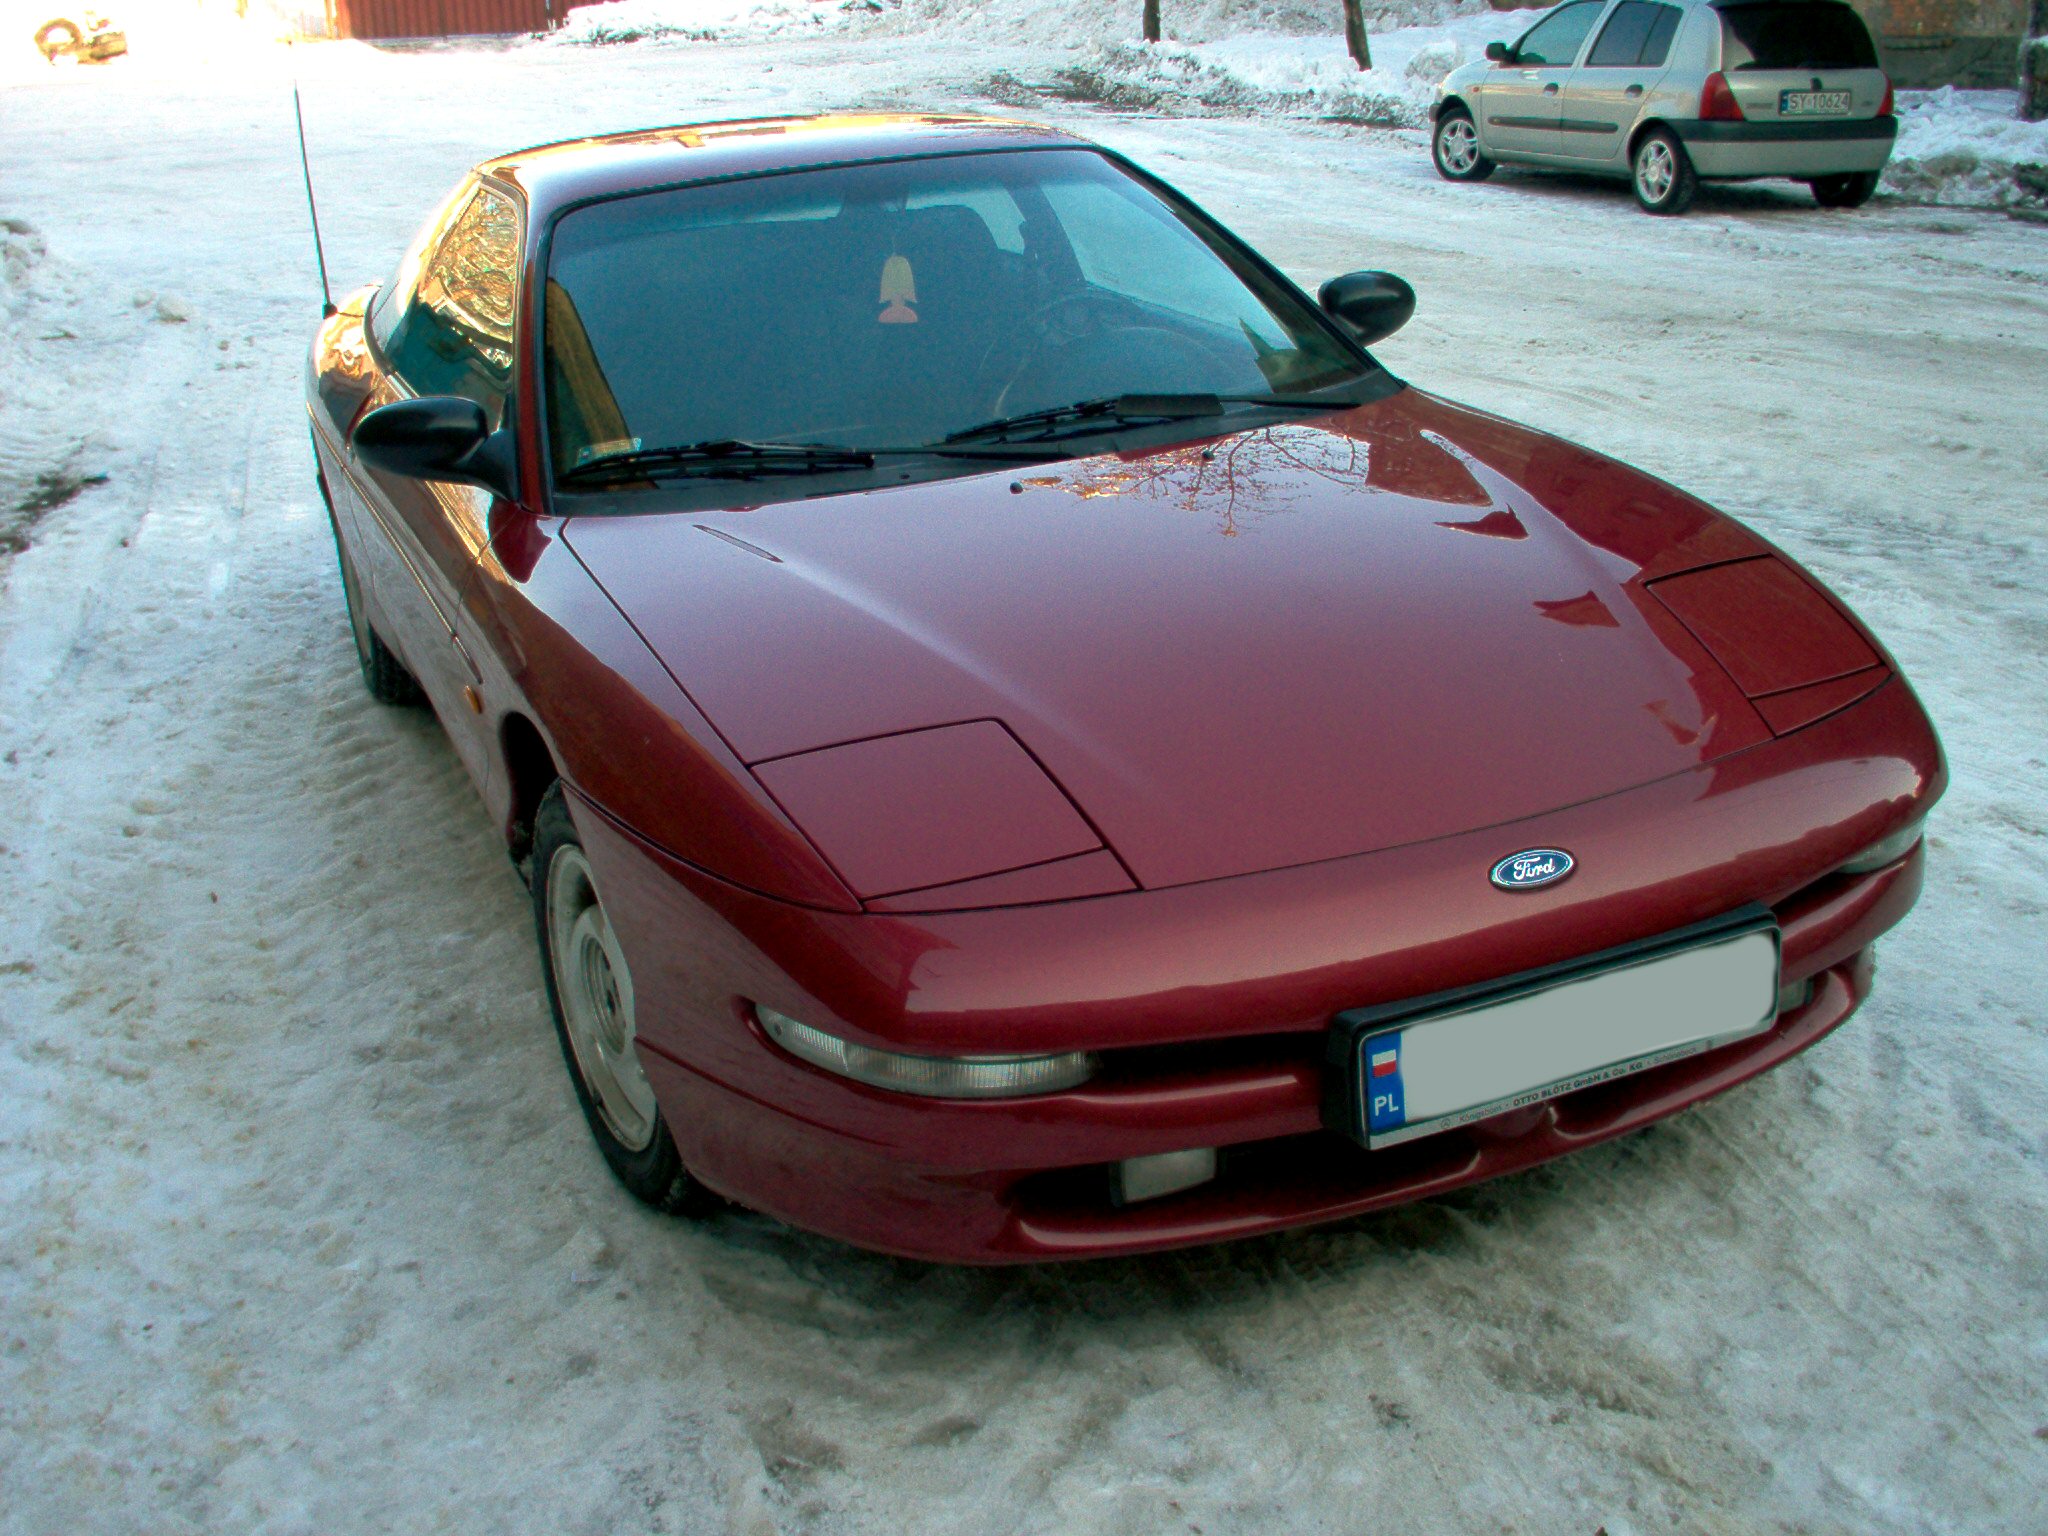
point(60, 340)
point(628, 21)
point(1078, 23)
point(1968, 147)
point(1061, 24)
point(1296, 76)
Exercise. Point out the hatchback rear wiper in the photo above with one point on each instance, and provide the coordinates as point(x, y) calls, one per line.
point(724, 457)
point(1109, 412)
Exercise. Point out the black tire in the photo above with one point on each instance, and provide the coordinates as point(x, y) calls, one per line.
point(1457, 161)
point(57, 38)
point(1852, 189)
point(653, 1173)
point(383, 673)
point(1661, 173)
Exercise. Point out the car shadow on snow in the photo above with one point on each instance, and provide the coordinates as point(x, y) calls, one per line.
point(1728, 198)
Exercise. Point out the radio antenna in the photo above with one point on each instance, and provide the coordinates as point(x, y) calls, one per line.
point(312, 209)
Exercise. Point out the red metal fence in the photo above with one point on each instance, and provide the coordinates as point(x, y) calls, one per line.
point(441, 18)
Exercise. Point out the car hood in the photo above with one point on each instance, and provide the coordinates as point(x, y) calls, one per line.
point(1290, 644)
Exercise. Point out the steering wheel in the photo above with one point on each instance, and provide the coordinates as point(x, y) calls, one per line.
point(1047, 356)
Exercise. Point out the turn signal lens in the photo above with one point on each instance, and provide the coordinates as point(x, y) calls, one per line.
point(1717, 101)
point(1888, 851)
point(1884, 108)
point(938, 1077)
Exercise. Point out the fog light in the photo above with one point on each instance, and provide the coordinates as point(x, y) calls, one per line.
point(1887, 851)
point(940, 1077)
point(1163, 1173)
point(1794, 995)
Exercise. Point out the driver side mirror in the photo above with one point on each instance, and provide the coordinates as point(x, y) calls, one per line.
point(1370, 305)
point(1499, 53)
point(440, 437)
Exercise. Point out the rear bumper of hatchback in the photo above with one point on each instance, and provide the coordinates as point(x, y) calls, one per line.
point(1210, 1007)
point(1734, 151)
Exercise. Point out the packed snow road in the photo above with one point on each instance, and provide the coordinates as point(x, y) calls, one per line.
point(300, 1229)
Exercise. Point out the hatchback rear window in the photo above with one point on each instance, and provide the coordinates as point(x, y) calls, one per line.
point(1800, 34)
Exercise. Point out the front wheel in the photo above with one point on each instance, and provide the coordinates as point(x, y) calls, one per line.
point(383, 673)
point(1852, 189)
point(1663, 175)
point(590, 991)
point(1455, 148)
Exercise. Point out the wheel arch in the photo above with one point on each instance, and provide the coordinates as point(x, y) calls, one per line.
point(1453, 100)
point(529, 771)
point(1642, 131)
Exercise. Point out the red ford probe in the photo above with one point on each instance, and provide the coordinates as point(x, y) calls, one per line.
point(1028, 743)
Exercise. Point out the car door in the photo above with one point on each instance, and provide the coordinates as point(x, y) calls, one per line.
point(449, 334)
point(1522, 98)
point(1605, 94)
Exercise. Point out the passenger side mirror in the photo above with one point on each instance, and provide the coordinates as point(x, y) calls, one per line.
point(1498, 52)
point(1371, 305)
point(438, 438)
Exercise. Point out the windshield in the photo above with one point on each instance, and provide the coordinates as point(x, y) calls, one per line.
point(897, 305)
point(1795, 36)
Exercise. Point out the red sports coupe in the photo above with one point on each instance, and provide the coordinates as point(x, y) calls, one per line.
point(1028, 743)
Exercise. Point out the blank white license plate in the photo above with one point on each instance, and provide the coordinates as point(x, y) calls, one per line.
point(1813, 103)
point(1500, 1050)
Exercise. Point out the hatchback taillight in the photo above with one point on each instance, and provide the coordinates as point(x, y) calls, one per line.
point(1717, 101)
point(1884, 108)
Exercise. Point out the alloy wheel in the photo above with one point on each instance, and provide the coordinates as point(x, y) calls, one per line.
point(1656, 170)
point(1458, 145)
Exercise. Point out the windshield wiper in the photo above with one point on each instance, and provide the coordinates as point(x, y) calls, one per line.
point(736, 459)
point(1110, 412)
point(721, 458)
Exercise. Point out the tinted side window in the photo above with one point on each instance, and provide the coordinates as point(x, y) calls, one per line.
point(393, 296)
point(455, 334)
point(1658, 48)
point(1638, 33)
point(1556, 38)
point(1795, 36)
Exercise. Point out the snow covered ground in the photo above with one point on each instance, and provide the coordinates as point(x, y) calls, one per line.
point(299, 1228)
point(1287, 58)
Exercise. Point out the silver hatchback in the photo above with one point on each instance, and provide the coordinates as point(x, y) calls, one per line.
point(1672, 92)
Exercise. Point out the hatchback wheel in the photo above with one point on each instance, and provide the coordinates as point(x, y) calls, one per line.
point(590, 991)
point(1455, 148)
point(1850, 190)
point(1664, 179)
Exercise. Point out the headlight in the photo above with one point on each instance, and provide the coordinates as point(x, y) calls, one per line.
point(1888, 851)
point(940, 1077)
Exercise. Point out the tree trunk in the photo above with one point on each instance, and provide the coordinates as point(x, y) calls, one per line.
point(1361, 50)
point(1151, 21)
point(2034, 64)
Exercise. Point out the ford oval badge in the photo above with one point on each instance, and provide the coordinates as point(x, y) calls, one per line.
point(1532, 867)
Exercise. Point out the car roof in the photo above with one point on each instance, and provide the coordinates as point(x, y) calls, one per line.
point(573, 170)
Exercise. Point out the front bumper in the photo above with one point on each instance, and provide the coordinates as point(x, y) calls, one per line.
point(1799, 150)
point(1210, 1005)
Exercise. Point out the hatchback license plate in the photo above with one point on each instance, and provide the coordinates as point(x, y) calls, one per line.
point(1450, 1060)
point(1813, 103)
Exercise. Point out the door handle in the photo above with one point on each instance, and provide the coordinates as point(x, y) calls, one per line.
point(1550, 89)
point(1634, 90)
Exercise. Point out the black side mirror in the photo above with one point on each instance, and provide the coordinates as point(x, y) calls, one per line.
point(1371, 305)
point(1498, 52)
point(440, 437)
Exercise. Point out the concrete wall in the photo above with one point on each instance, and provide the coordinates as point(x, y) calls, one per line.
point(1927, 43)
